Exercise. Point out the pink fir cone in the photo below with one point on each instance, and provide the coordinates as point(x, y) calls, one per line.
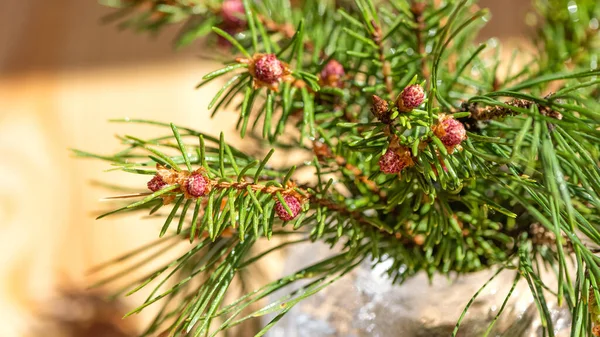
point(197, 185)
point(410, 98)
point(450, 131)
point(232, 13)
point(156, 183)
point(267, 70)
point(395, 160)
point(332, 74)
point(234, 20)
point(294, 205)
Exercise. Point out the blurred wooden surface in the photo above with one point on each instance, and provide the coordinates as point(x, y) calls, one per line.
point(62, 76)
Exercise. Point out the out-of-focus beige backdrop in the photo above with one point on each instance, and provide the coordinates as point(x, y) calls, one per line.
point(62, 76)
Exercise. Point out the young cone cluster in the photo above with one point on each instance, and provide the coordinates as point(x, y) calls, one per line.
point(196, 184)
point(192, 184)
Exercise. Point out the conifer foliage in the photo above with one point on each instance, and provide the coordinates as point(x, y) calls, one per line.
point(424, 154)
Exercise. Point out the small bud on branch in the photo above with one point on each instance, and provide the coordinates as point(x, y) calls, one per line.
point(379, 108)
point(450, 131)
point(267, 70)
point(410, 98)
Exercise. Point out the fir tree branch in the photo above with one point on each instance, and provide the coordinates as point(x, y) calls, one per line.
point(413, 187)
point(324, 153)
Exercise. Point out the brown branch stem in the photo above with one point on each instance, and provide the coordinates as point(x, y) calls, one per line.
point(417, 9)
point(494, 112)
point(286, 30)
point(242, 185)
point(386, 67)
point(338, 208)
point(305, 195)
point(358, 174)
point(323, 152)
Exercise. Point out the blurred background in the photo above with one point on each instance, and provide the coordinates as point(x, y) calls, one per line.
point(63, 75)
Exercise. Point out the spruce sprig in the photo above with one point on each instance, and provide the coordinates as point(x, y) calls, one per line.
point(518, 190)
